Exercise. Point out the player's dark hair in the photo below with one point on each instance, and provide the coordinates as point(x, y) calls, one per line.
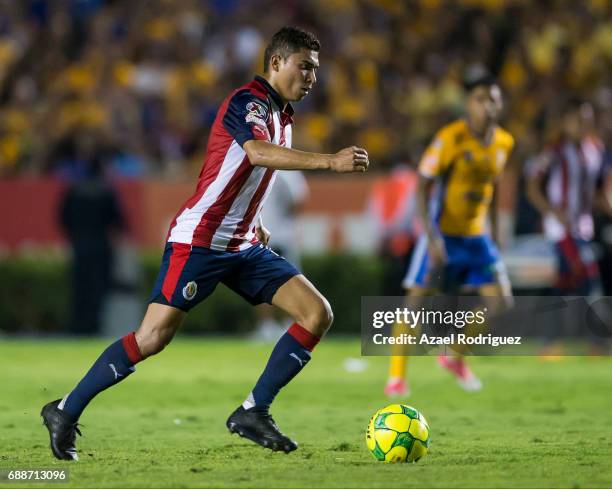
point(287, 41)
point(482, 79)
point(572, 104)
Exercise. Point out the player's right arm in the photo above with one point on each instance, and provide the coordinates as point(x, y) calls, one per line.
point(435, 244)
point(433, 164)
point(269, 155)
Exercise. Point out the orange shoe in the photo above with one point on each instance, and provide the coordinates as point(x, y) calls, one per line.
point(551, 353)
point(596, 350)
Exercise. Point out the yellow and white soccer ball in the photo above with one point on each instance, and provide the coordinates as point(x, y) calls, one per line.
point(398, 433)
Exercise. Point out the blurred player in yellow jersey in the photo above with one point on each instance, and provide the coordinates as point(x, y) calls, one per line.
point(458, 177)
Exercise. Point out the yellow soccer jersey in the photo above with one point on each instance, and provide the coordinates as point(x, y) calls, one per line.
point(467, 170)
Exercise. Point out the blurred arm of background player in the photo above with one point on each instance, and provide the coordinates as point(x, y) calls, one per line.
point(500, 231)
point(602, 200)
point(437, 251)
point(269, 155)
point(535, 193)
point(494, 215)
point(285, 202)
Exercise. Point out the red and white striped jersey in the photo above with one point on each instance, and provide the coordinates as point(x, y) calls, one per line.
point(573, 173)
point(223, 211)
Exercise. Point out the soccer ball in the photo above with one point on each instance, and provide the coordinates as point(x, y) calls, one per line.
point(398, 433)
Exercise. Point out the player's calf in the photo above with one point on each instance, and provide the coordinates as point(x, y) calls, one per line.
point(317, 318)
point(114, 365)
point(60, 417)
point(289, 356)
point(153, 340)
point(321, 319)
point(158, 328)
point(252, 420)
point(300, 299)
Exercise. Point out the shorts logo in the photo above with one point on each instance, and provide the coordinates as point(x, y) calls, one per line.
point(190, 290)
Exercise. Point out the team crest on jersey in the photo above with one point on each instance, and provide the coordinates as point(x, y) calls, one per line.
point(467, 156)
point(190, 290)
point(257, 113)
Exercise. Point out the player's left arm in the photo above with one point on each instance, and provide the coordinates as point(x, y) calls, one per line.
point(502, 286)
point(246, 121)
point(269, 155)
point(494, 210)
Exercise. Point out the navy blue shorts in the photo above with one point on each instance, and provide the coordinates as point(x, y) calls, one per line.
point(189, 274)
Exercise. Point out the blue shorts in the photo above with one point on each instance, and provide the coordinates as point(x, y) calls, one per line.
point(472, 261)
point(189, 274)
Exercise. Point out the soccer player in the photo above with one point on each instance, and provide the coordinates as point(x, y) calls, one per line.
point(458, 177)
point(217, 236)
point(566, 183)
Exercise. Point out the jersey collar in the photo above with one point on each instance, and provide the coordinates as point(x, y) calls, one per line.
point(489, 136)
point(287, 112)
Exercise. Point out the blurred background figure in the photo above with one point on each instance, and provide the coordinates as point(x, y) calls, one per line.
point(280, 215)
point(90, 216)
point(566, 185)
point(457, 193)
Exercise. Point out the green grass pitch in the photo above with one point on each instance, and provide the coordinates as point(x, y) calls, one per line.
point(534, 424)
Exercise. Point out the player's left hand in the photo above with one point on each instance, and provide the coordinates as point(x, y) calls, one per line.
point(352, 159)
point(262, 233)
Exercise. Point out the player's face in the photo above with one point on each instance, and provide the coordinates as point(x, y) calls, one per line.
point(296, 75)
point(577, 123)
point(571, 125)
point(484, 105)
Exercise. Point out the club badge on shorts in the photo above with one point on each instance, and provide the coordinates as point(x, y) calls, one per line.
point(190, 290)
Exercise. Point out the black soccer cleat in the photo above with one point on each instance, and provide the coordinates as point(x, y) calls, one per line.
point(62, 431)
point(259, 427)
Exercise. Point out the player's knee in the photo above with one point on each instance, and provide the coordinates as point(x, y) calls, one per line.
point(328, 317)
point(320, 318)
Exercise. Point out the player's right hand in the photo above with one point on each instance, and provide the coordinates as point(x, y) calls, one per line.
point(562, 217)
point(437, 251)
point(350, 159)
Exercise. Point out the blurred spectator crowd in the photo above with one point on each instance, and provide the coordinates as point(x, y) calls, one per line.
point(137, 83)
